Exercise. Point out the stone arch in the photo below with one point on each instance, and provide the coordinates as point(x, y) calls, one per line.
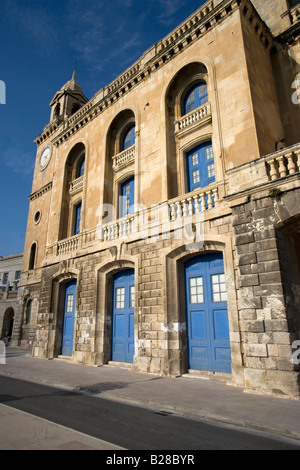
point(175, 310)
point(113, 146)
point(288, 242)
point(76, 155)
point(198, 68)
point(64, 275)
point(8, 323)
point(103, 301)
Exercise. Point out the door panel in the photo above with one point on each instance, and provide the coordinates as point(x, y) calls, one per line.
point(200, 166)
point(123, 317)
point(127, 197)
point(207, 314)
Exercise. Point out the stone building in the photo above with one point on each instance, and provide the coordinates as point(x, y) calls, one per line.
point(10, 274)
point(164, 219)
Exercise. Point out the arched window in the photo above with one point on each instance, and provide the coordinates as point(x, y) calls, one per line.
point(129, 138)
point(195, 97)
point(200, 166)
point(75, 108)
point(80, 167)
point(77, 218)
point(57, 110)
point(28, 312)
point(32, 256)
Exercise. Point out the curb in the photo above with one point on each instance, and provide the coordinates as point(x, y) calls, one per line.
point(211, 418)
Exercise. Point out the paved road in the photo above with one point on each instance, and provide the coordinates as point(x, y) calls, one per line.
point(130, 427)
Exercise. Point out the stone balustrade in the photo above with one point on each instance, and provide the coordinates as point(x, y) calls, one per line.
point(194, 117)
point(144, 221)
point(124, 158)
point(201, 201)
point(76, 185)
point(284, 163)
point(272, 167)
point(295, 14)
point(121, 228)
point(69, 245)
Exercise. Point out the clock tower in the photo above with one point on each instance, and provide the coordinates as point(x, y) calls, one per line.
point(67, 100)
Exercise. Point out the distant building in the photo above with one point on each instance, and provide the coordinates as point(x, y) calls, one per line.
point(164, 220)
point(10, 273)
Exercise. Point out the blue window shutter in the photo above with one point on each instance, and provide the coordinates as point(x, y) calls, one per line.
point(200, 166)
point(195, 97)
point(77, 218)
point(129, 138)
point(127, 197)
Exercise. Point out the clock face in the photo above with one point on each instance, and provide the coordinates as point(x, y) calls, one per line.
point(45, 157)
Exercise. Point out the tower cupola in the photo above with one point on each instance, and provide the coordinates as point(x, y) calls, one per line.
point(69, 99)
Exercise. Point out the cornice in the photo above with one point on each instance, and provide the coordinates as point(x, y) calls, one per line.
point(196, 26)
point(40, 192)
point(290, 35)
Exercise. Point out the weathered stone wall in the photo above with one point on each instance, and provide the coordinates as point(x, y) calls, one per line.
point(266, 327)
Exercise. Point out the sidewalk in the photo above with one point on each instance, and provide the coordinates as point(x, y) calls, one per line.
point(193, 397)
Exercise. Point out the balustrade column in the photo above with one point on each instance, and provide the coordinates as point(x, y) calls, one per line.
point(291, 164)
point(282, 167)
point(210, 202)
point(298, 159)
point(273, 169)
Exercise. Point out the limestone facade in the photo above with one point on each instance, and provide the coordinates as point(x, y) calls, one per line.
point(10, 273)
point(247, 212)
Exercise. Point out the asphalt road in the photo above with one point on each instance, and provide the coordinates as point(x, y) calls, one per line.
point(131, 427)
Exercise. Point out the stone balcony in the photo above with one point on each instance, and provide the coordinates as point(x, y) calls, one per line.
point(283, 163)
point(144, 222)
point(281, 168)
point(278, 168)
point(199, 116)
point(9, 295)
point(124, 158)
point(295, 14)
point(76, 186)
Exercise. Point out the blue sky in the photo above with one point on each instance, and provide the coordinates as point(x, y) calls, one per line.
point(39, 44)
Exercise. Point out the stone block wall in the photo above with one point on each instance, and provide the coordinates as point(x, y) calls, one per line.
point(267, 326)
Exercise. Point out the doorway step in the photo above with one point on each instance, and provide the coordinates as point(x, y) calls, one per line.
point(120, 365)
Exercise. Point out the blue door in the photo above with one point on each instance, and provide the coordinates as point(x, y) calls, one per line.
point(127, 197)
point(201, 166)
point(77, 218)
point(69, 317)
point(207, 315)
point(123, 316)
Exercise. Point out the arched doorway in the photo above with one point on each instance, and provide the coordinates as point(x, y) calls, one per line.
point(68, 319)
point(207, 314)
point(123, 316)
point(8, 323)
